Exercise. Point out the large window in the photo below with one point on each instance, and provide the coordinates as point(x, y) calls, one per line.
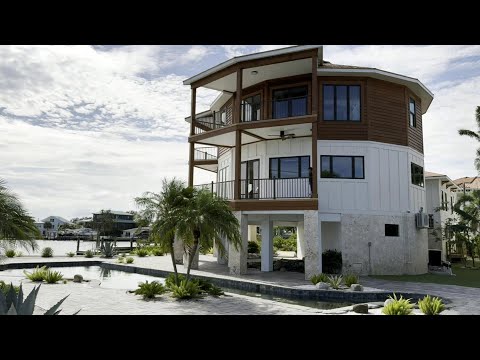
point(417, 175)
point(411, 113)
point(251, 107)
point(342, 167)
point(289, 167)
point(341, 103)
point(290, 102)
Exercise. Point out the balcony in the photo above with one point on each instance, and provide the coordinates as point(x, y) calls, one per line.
point(205, 153)
point(262, 189)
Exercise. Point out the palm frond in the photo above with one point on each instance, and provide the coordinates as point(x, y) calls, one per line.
point(469, 133)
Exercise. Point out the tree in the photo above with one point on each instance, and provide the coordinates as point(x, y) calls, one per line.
point(16, 226)
point(206, 218)
point(475, 135)
point(68, 226)
point(467, 229)
point(103, 223)
point(47, 225)
point(161, 210)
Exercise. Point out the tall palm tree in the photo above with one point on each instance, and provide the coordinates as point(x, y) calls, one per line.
point(206, 218)
point(163, 211)
point(16, 226)
point(475, 135)
point(468, 208)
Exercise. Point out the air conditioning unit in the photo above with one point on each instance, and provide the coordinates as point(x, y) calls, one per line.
point(421, 220)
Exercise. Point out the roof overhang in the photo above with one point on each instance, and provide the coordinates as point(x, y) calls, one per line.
point(445, 180)
point(413, 84)
point(256, 56)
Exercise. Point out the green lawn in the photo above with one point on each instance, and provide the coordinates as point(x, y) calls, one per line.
point(464, 277)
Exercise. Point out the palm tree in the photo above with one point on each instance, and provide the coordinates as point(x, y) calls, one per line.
point(468, 208)
point(475, 135)
point(103, 223)
point(16, 226)
point(206, 218)
point(162, 211)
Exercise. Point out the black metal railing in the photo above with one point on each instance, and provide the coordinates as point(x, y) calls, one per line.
point(215, 121)
point(205, 153)
point(290, 107)
point(263, 189)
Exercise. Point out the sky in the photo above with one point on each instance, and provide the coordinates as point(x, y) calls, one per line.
point(84, 128)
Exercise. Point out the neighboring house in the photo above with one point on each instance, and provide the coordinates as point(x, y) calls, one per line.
point(335, 150)
point(122, 220)
point(55, 222)
point(441, 196)
point(142, 233)
point(468, 184)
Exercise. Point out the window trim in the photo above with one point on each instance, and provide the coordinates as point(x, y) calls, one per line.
point(412, 164)
point(299, 157)
point(251, 95)
point(335, 102)
point(353, 166)
point(410, 112)
point(280, 86)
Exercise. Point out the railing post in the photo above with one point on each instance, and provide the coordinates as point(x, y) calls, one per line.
point(212, 187)
point(274, 189)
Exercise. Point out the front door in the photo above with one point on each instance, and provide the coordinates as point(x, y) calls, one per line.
point(250, 183)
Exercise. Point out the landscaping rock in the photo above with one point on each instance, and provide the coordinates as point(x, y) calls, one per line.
point(356, 287)
point(77, 278)
point(322, 286)
point(360, 308)
point(388, 301)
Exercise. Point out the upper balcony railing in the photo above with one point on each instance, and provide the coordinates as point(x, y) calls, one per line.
point(262, 189)
point(280, 108)
point(205, 153)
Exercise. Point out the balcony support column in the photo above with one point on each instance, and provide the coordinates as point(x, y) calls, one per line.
point(267, 245)
point(315, 97)
point(238, 161)
point(192, 132)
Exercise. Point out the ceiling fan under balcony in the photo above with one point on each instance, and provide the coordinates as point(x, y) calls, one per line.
point(283, 136)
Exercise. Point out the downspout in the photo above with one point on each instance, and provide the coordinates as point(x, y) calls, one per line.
point(369, 258)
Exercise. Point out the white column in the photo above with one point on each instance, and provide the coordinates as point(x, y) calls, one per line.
point(252, 232)
point(300, 240)
point(221, 259)
point(186, 259)
point(267, 245)
point(237, 259)
point(313, 243)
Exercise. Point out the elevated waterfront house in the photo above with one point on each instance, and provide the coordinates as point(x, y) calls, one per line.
point(334, 150)
point(55, 223)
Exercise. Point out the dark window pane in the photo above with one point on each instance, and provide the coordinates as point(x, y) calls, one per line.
point(341, 92)
point(342, 167)
point(305, 164)
point(412, 106)
point(280, 109)
point(391, 230)
point(325, 167)
point(354, 97)
point(359, 168)
point(328, 102)
point(289, 168)
point(274, 168)
point(299, 106)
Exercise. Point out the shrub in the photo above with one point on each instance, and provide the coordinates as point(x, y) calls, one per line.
point(47, 252)
point(38, 274)
point(10, 253)
point(89, 254)
point(52, 277)
point(121, 260)
point(331, 262)
point(156, 251)
point(149, 290)
point(129, 260)
point(350, 279)
point(398, 306)
point(315, 279)
point(123, 255)
point(6, 288)
point(19, 254)
point(335, 281)
point(108, 249)
point(64, 281)
point(142, 252)
point(186, 290)
point(281, 244)
point(16, 304)
point(431, 306)
point(253, 247)
point(207, 287)
point(71, 254)
point(205, 250)
point(170, 280)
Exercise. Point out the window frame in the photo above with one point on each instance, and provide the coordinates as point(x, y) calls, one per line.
point(414, 125)
point(412, 174)
point(271, 100)
point(248, 96)
point(299, 157)
point(344, 156)
point(348, 102)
